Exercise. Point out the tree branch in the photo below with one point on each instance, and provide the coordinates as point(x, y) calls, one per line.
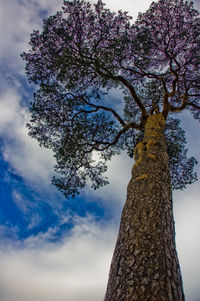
point(122, 131)
point(194, 95)
point(182, 106)
point(142, 73)
point(97, 107)
point(175, 80)
point(126, 83)
point(194, 105)
point(134, 95)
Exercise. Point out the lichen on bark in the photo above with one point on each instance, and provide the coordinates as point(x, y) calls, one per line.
point(145, 263)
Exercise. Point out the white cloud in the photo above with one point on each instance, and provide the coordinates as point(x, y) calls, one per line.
point(197, 4)
point(113, 195)
point(31, 162)
point(17, 21)
point(186, 211)
point(75, 270)
point(133, 7)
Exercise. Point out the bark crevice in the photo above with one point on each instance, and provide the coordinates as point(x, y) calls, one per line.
point(145, 263)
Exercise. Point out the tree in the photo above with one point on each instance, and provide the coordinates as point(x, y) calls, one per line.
point(82, 54)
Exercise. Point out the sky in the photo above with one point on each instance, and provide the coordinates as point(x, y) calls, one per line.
point(51, 248)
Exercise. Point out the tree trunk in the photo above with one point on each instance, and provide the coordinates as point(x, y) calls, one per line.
point(145, 264)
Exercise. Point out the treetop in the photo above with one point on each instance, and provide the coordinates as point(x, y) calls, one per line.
point(86, 50)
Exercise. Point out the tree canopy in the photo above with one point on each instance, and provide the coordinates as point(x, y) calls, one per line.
point(82, 54)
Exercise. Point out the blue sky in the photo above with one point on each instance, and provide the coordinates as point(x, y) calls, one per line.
point(51, 248)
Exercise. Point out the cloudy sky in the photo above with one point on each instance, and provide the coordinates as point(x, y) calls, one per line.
point(52, 249)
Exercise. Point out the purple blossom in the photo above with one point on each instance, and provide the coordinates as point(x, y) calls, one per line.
point(85, 50)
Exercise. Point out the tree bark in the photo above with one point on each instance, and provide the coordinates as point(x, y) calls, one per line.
point(145, 265)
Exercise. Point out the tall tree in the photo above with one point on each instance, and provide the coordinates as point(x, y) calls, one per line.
point(82, 54)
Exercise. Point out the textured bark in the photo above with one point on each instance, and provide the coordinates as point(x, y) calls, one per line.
point(145, 264)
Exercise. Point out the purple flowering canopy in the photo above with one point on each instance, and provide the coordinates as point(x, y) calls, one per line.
point(83, 53)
